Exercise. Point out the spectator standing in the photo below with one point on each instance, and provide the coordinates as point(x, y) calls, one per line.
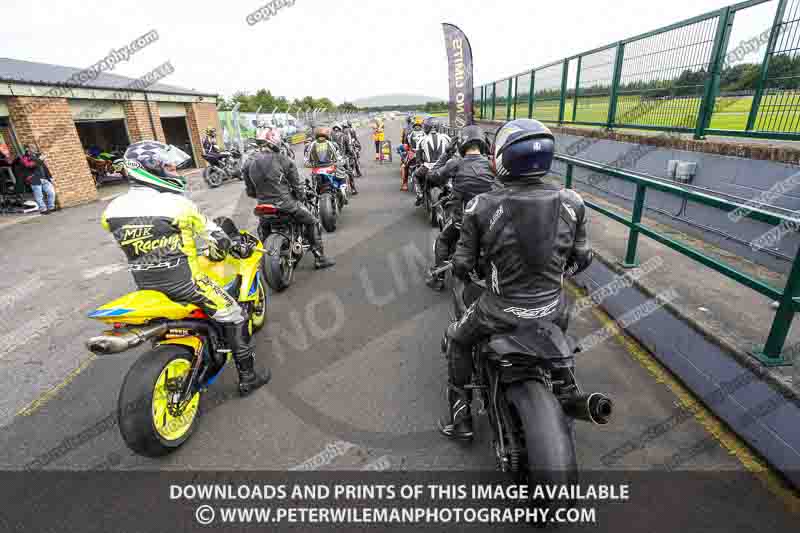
point(36, 174)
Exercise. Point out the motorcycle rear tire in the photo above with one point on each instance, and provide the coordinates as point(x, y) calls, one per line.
point(135, 403)
point(327, 212)
point(277, 262)
point(213, 176)
point(549, 434)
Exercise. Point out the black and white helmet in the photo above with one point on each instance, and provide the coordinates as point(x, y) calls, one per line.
point(153, 164)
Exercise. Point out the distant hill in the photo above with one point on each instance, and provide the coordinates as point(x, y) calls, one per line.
point(397, 99)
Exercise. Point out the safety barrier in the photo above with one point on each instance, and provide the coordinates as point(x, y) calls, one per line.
point(687, 77)
point(788, 297)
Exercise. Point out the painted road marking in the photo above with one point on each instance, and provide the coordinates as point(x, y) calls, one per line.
point(104, 270)
point(42, 400)
point(714, 426)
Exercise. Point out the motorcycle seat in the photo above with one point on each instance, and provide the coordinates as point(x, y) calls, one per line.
point(540, 339)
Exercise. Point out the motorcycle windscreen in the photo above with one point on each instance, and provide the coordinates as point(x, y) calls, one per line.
point(175, 156)
point(535, 222)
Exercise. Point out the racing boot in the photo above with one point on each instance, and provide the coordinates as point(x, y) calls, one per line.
point(240, 342)
point(320, 260)
point(420, 199)
point(458, 426)
point(353, 185)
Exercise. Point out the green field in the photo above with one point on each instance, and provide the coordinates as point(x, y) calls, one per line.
point(778, 112)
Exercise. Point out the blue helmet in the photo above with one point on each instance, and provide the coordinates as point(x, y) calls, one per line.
point(523, 148)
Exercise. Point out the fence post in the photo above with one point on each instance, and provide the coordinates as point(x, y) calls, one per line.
point(706, 110)
point(564, 81)
point(614, 96)
point(530, 96)
point(772, 353)
point(633, 236)
point(577, 88)
point(568, 176)
point(494, 98)
point(508, 99)
point(762, 79)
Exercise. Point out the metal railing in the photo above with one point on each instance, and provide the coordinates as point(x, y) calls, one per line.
point(686, 78)
point(788, 298)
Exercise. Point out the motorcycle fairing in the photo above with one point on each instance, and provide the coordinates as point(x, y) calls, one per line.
point(140, 307)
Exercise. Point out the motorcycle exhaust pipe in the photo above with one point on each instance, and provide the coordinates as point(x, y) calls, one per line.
point(595, 408)
point(111, 344)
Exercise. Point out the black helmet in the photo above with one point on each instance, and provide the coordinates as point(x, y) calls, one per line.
point(523, 148)
point(472, 136)
point(429, 124)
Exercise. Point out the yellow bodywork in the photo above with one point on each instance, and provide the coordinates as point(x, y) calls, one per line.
point(140, 307)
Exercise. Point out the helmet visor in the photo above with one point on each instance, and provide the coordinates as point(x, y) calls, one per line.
point(502, 136)
point(174, 156)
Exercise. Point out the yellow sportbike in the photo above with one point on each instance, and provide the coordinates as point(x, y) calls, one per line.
point(159, 401)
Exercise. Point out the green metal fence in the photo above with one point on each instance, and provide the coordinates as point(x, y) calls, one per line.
point(788, 297)
point(689, 77)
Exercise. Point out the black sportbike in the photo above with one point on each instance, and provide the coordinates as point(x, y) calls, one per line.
point(525, 382)
point(222, 166)
point(285, 240)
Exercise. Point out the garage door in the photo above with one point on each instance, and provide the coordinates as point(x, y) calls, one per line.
point(3, 108)
point(170, 109)
point(85, 110)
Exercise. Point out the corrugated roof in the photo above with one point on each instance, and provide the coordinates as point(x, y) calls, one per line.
point(15, 70)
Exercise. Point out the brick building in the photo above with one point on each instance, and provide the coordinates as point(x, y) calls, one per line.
point(40, 107)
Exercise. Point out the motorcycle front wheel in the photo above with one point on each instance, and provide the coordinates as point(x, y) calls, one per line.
point(213, 176)
point(327, 212)
point(278, 267)
point(259, 314)
point(149, 425)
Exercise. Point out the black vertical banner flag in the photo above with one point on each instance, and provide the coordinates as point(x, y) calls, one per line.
point(459, 61)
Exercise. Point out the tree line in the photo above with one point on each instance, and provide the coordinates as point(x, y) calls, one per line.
point(264, 99)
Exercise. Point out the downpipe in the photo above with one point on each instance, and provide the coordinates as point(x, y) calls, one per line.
point(117, 343)
point(596, 408)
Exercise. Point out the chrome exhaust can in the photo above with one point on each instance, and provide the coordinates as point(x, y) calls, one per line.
point(596, 408)
point(113, 342)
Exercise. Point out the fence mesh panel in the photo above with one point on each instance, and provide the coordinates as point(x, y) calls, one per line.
point(664, 76)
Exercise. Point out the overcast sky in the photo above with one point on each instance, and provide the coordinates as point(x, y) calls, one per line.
point(346, 49)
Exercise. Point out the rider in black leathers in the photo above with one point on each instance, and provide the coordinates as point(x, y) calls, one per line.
point(470, 175)
point(345, 143)
point(272, 178)
point(531, 234)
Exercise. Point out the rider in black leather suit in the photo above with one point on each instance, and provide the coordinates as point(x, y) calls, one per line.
point(470, 175)
point(531, 233)
point(272, 178)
